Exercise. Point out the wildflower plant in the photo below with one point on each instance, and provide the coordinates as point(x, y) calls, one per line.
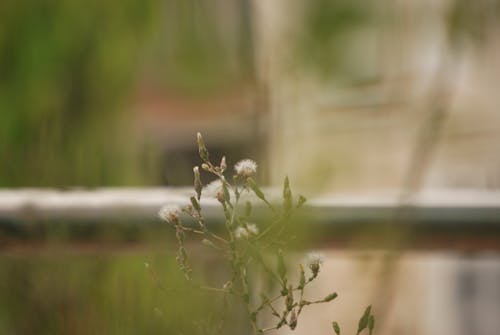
point(253, 251)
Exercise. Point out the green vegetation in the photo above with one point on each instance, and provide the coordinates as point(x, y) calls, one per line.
point(96, 293)
point(67, 69)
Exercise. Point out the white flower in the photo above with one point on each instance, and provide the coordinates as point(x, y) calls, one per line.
point(214, 189)
point(246, 168)
point(240, 233)
point(252, 229)
point(169, 213)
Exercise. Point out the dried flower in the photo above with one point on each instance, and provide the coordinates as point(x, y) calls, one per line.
point(314, 261)
point(245, 168)
point(169, 213)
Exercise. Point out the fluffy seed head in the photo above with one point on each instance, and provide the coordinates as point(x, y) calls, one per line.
point(315, 258)
point(240, 233)
point(214, 189)
point(169, 213)
point(314, 261)
point(245, 168)
point(252, 229)
point(245, 232)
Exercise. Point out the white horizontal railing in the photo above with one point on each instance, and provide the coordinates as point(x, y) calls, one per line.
point(464, 206)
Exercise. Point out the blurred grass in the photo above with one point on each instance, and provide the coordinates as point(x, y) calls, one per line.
point(328, 39)
point(71, 73)
point(67, 70)
point(96, 293)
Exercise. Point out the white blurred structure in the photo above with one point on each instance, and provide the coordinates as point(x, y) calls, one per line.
point(426, 294)
point(331, 135)
point(429, 120)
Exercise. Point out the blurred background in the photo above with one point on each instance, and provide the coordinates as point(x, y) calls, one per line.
point(356, 100)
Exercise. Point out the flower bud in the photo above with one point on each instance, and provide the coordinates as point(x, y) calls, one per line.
point(336, 327)
point(196, 204)
point(293, 320)
point(202, 149)
point(330, 297)
point(371, 324)
point(287, 196)
point(223, 164)
point(197, 182)
point(363, 322)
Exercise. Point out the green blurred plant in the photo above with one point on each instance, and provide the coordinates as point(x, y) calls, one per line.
point(51, 292)
point(246, 246)
point(67, 69)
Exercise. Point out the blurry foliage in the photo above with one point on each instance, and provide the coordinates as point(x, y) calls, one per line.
point(109, 294)
point(68, 71)
point(203, 45)
point(327, 35)
point(470, 20)
point(67, 68)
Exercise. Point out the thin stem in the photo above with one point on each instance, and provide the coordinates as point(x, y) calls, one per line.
point(214, 289)
point(263, 330)
point(246, 298)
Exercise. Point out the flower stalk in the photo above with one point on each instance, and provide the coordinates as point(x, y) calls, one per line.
point(247, 245)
